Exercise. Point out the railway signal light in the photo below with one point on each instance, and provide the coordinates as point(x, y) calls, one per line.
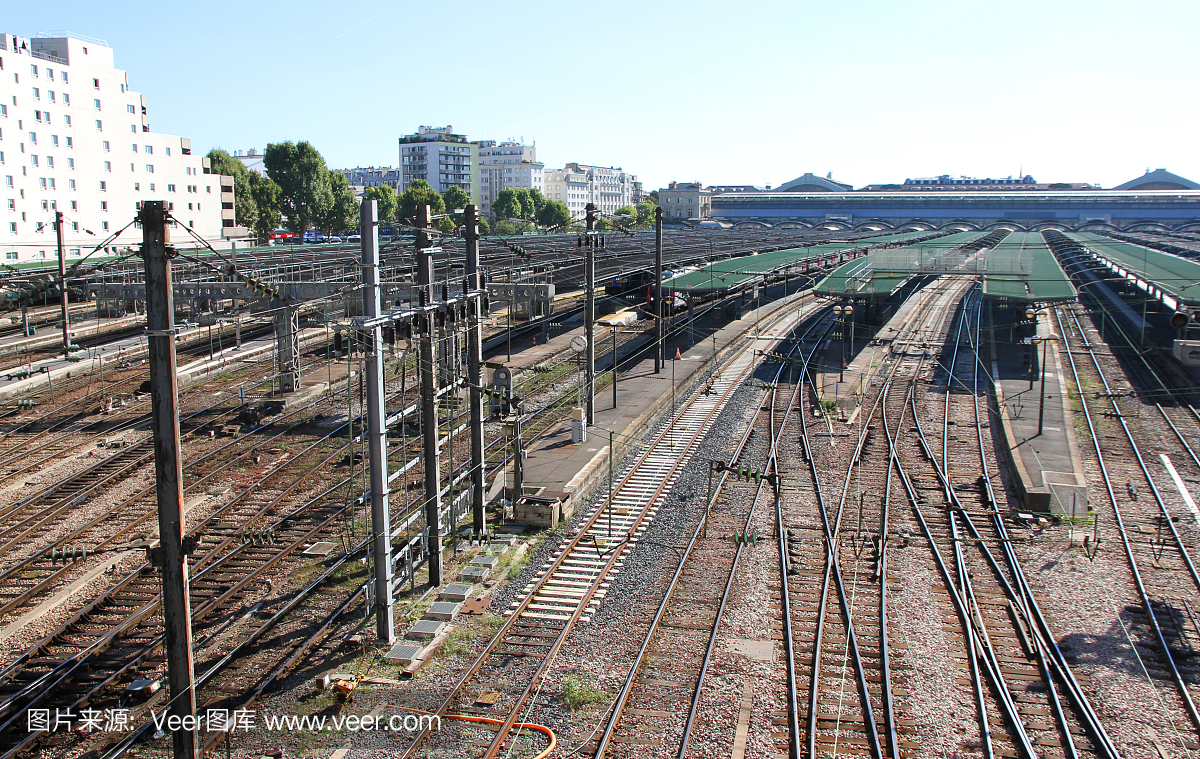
point(1180, 319)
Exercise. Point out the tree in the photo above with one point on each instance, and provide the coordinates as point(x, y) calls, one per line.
point(509, 204)
point(266, 200)
point(539, 202)
point(484, 227)
point(456, 197)
point(654, 196)
point(245, 210)
point(419, 193)
point(342, 213)
point(554, 214)
point(386, 198)
point(645, 213)
point(303, 179)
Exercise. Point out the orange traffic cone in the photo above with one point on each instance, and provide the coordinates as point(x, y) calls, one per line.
point(677, 356)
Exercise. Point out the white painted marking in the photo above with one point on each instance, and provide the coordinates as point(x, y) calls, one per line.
point(1183, 491)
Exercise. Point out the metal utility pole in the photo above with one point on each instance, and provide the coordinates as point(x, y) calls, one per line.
point(237, 314)
point(658, 335)
point(62, 281)
point(474, 370)
point(589, 269)
point(614, 364)
point(429, 420)
point(381, 526)
point(168, 472)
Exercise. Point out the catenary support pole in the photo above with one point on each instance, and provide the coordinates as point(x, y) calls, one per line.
point(658, 264)
point(62, 282)
point(381, 527)
point(429, 422)
point(589, 270)
point(168, 472)
point(237, 305)
point(475, 371)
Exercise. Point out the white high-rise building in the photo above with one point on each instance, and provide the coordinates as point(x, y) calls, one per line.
point(507, 166)
point(440, 157)
point(579, 184)
point(75, 138)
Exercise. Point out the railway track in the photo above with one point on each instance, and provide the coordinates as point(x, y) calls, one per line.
point(572, 584)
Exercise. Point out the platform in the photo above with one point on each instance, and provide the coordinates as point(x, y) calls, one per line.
point(732, 273)
point(1039, 434)
point(1163, 275)
point(1045, 283)
point(558, 465)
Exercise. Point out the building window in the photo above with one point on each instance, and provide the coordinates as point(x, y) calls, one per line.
point(66, 99)
point(70, 163)
point(168, 151)
point(54, 140)
point(170, 188)
point(99, 126)
point(137, 186)
point(70, 142)
point(133, 128)
point(149, 168)
point(4, 111)
point(149, 150)
point(74, 205)
point(96, 83)
point(103, 186)
point(33, 137)
point(96, 103)
point(34, 68)
point(62, 75)
point(68, 120)
point(12, 204)
point(42, 182)
point(12, 227)
point(8, 181)
point(52, 187)
point(11, 255)
point(37, 95)
point(50, 161)
point(130, 108)
point(71, 183)
point(104, 225)
point(33, 160)
point(104, 205)
point(105, 144)
point(108, 166)
point(51, 94)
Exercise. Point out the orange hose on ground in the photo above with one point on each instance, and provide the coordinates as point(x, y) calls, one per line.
point(492, 721)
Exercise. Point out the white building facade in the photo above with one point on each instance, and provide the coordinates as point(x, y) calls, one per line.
point(440, 157)
point(686, 200)
point(75, 138)
point(578, 184)
point(507, 166)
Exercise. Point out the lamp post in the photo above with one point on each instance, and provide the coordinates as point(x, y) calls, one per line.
point(844, 310)
point(1042, 398)
point(1031, 313)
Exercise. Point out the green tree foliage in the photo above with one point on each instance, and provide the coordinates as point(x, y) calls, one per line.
point(419, 193)
point(506, 228)
point(654, 196)
point(538, 201)
point(266, 200)
point(554, 214)
point(342, 213)
point(303, 179)
point(385, 196)
point(484, 227)
point(645, 213)
point(510, 204)
point(245, 210)
point(456, 197)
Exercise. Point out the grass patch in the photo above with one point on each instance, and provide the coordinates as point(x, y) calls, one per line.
point(579, 692)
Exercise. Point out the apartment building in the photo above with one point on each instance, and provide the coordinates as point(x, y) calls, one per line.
point(440, 157)
point(74, 137)
point(507, 165)
point(361, 178)
point(686, 200)
point(578, 184)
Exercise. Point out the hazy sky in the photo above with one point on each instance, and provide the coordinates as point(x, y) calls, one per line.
point(721, 92)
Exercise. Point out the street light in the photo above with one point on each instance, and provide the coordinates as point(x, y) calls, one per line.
point(1042, 399)
point(1033, 314)
point(844, 309)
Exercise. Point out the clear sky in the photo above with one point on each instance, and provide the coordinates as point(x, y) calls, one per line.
point(722, 92)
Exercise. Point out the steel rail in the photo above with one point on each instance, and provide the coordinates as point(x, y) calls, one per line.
point(1176, 675)
point(552, 649)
